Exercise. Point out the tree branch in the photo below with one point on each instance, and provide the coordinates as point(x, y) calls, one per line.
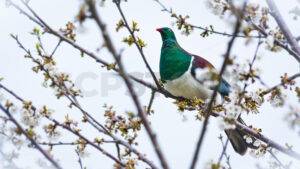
point(48, 29)
point(210, 104)
point(278, 85)
point(167, 94)
point(278, 42)
point(140, 49)
point(150, 102)
point(164, 8)
point(79, 160)
point(141, 113)
point(278, 161)
point(33, 142)
point(94, 122)
point(283, 26)
point(224, 152)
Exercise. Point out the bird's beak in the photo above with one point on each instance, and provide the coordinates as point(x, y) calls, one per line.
point(158, 29)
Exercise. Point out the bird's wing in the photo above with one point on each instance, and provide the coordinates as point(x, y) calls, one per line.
point(201, 63)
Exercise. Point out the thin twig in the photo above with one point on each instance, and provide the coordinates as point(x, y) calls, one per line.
point(56, 47)
point(265, 139)
point(33, 142)
point(115, 138)
point(283, 26)
point(224, 152)
point(164, 8)
point(278, 85)
point(210, 104)
point(167, 94)
point(140, 49)
point(48, 29)
point(87, 141)
point(118, 151)
point(69, 143)
point(79, 160)
point(150, 102)
point(26, 14)
point(128, 83)
point(69, 129)
point(68, 93)
point(278, 42)
point(103, 129)
point(276, 158)
point(250, 71)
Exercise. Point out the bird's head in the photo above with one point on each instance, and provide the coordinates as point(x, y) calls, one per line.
point(166, 33)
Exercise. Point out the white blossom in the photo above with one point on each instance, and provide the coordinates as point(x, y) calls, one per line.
point(48, 66)
point(43, 164)
point(54, 137)
point(270, 40)
point(256, 18)
point(292, 117)
point(54, 71)
point(210, 83)
point(14, 109)
point(224, 125)
point(248, 139)
point(83, 154)
point(29, 119)
point(206, 76)
point(276, 101)
point(234, 109)
point(205, 73)
point(68, 84)
point(233, 76)
point(257, 143)
point(257, 153)
point(255, 97)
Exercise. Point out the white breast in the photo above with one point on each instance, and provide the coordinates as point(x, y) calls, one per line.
point(187, 86)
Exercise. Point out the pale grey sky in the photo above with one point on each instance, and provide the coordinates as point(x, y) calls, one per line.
point(177, 136)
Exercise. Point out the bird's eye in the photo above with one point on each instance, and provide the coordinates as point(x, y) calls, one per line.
point(169, 30)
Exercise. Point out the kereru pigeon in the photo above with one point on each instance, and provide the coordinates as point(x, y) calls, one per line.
point(181, 74)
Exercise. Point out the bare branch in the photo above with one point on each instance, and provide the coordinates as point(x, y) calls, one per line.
point(75, 132)
point(209, 108)
point(164, 8)
point(278, 42)
point(267, 140)
point(165, 93)
point(33, 142)
point(90, 119)
point(26, 14)
point(79, 160)
point(278, 161)
point(224, 145)
point(278, 85)
point(128, 83)
point(150, 102)
point(56, 47)
point(242, 94)
point(140, 48)
point(91, 54)
point(283, 26)
point(70, 143)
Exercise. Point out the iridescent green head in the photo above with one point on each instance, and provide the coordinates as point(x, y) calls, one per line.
point(166, 33)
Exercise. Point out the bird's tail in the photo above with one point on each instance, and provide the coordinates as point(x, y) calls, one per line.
point(236, 138)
